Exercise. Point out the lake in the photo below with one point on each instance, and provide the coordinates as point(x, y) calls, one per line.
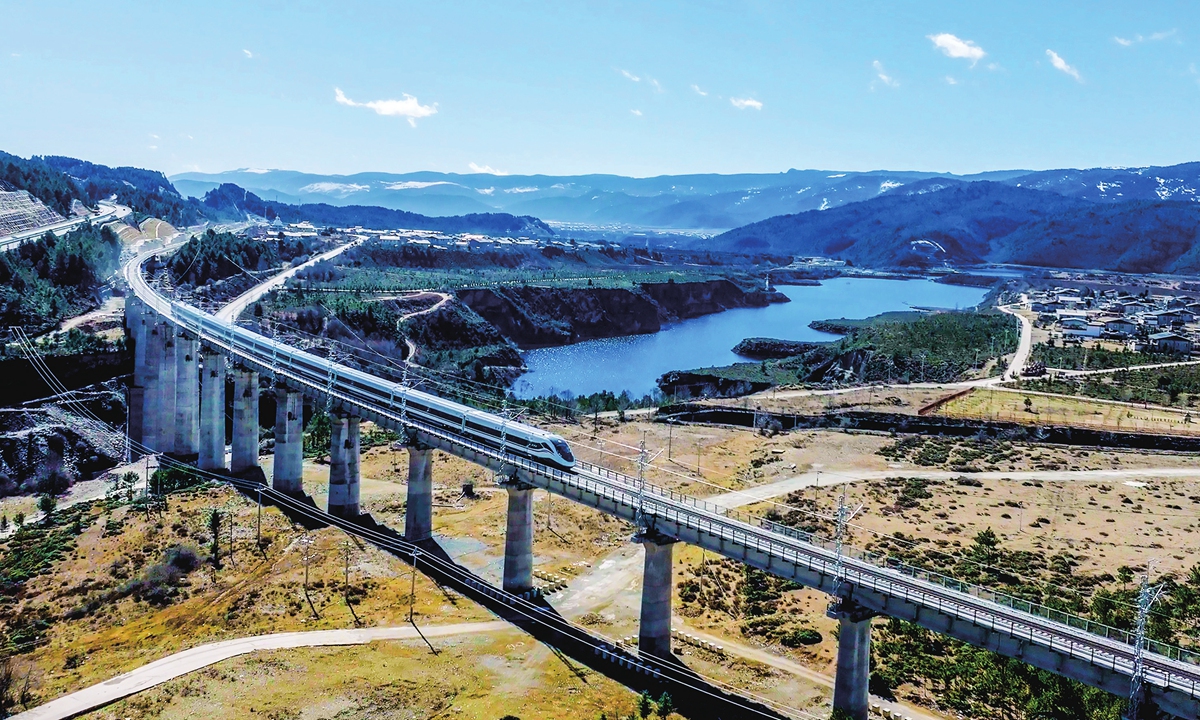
point(635, 362)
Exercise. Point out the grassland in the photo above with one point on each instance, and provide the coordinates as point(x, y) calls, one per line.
point(1045, 409)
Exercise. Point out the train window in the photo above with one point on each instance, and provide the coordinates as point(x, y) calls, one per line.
point(563, 449)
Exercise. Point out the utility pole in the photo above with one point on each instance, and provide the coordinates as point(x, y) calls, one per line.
point(844, 515)
point(305, 544)
point(670, 433)
point(258, 524)
point(346, 577)
point(1147, 596)
point(412, 593)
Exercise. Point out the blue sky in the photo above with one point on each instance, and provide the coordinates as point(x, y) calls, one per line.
point(637, 88)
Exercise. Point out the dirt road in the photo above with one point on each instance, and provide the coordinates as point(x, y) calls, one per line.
point(824, 478)
point(188, 661)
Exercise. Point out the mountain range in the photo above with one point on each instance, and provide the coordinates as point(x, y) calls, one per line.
point(59, 181)
point(945, 222)
point(696, 202)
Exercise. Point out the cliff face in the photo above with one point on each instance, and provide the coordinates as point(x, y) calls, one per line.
point(543, 317)
point(681, 301)
point(535, 317)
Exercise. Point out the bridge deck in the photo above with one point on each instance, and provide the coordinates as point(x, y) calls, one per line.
point(1069, 645)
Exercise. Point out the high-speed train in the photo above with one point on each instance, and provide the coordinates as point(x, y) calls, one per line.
point(505, 436)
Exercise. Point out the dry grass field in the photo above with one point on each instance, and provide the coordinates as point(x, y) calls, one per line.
point(1044, 409)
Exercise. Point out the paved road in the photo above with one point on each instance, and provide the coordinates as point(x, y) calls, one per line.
point(182, 663)
point(1024, 347)
point(106, 212)
point(1107, 371)
point(825, 478)
point(231, 311)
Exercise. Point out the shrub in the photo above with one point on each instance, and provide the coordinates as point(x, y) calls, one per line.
point(800, 636)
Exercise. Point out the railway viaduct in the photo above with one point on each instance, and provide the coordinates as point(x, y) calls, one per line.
point(177, 406)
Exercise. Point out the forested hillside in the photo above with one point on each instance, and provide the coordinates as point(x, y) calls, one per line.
point(54, 189)
point(216, 256)
point(43, 281)
point(148, 192)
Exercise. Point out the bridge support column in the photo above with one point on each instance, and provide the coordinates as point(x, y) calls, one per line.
point(167, 388)
point(518, 540)
point(418, 513)
point(187, 396)
point(135, 322)
point(343, 466)
point(151, 419)
point(654, 633)
point(212, 411)
point(850, 686)
point(289, 442)
point(245, 420)
point(353, 465)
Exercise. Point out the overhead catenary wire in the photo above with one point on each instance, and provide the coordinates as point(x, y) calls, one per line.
point(615, 488)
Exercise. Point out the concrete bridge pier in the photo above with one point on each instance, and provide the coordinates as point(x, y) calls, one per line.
point(418, 513)
point(212, 411)
point(654, 633)
point(289, 441)
point(518, 539)
point(187, 396)
point(343, 466)
point(167, 384)
point(135, 323)
point(245, 420)
point(151, 421)
point(850, 686)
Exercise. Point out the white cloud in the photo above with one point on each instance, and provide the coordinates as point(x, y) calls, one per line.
point(950, 80)
point(1153, 37)
point(955, 47)
point(521, 190)
point(486, 169)
point(654, 83)
point(153, 147)
point(743, 103)
point(154, 136)
point(332, 188)
point(883, 77)
point(1060, 64)
point(636, 112)
point(630, 75)
point(407, 108)
point(249, 55)
point(414, 184)
point(698, 91)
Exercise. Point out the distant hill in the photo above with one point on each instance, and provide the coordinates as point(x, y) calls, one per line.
point(667, 202)
point(939, 221)
point(229, 201)
point(705, 201)
point(1175, 182)
point(148, 192)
